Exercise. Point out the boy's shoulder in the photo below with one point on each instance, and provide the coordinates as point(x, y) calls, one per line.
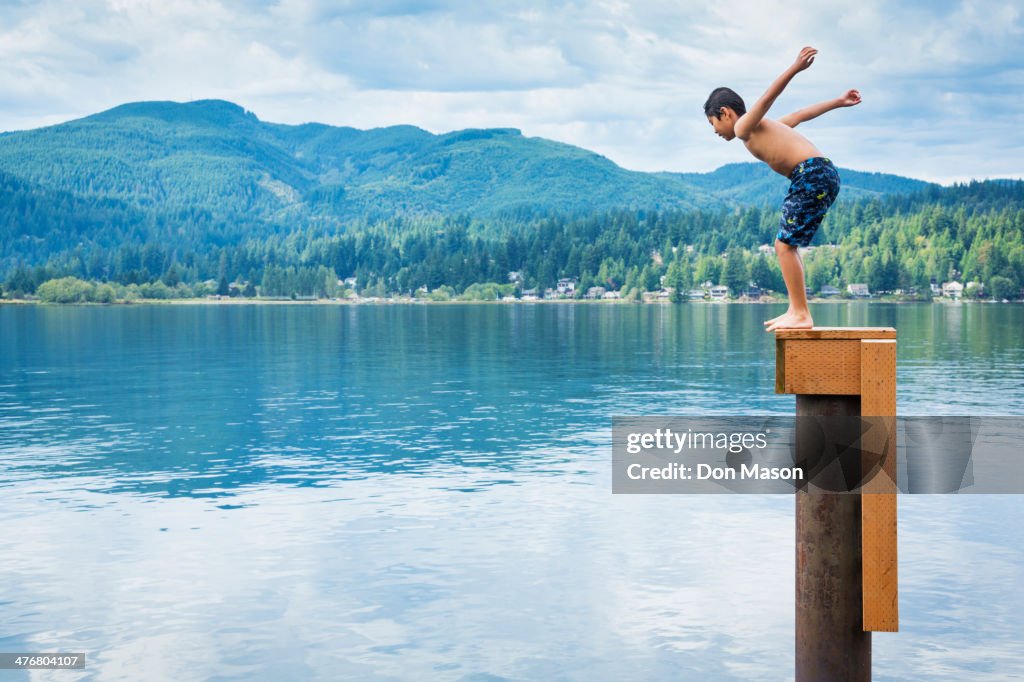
point(764, 126)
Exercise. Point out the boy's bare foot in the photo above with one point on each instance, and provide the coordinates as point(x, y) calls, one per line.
point(777, 317)
point(792, 320)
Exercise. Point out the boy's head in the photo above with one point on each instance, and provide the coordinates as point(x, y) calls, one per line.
point(723, 107)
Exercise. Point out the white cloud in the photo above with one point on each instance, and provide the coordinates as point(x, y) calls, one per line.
point(626, 79)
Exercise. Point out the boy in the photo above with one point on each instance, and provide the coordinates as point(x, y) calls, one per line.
point(814, 181)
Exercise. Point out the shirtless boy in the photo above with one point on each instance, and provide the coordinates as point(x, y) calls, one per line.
point(814, 181)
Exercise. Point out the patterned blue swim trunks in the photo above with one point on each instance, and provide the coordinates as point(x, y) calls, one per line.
point(813, 186)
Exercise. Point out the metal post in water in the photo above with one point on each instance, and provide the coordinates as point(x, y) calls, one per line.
point(845, 543)
point(831, 644)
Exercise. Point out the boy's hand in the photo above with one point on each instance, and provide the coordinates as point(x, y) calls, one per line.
point(851, 98)
point(805, 58)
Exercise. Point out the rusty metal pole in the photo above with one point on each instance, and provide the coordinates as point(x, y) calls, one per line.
point(831, 644)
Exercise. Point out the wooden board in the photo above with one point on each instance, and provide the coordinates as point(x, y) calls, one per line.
point(837, 333)
point(818, 366)
point(878, 508)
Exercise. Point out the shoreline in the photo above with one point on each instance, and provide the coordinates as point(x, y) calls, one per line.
point(404, 301)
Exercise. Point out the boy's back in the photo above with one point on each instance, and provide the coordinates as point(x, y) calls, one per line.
point(779, 146)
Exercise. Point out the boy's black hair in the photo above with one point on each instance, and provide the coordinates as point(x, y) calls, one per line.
point(723, 97)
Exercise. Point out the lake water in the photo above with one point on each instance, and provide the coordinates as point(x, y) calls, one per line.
point(424, 492)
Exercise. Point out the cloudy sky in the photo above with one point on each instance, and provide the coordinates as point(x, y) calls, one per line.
point(942, 81)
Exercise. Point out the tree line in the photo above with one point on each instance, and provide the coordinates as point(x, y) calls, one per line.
point(967, 232)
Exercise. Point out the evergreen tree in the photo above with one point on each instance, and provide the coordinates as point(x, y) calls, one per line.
point(737, 274)
point(761, 272)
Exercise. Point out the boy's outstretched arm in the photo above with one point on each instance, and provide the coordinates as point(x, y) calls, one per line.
point(748, 121)
point(851, 98)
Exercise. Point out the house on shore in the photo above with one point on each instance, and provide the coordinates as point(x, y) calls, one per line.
point(858, 290)
point(953, 290)
point(719, 292)
point(828, 291)
point(566, 287)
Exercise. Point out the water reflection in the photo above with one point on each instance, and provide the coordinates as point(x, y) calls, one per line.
point(399, 492)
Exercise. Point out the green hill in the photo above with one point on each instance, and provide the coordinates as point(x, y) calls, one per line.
point(215, 155)
point(143, 185)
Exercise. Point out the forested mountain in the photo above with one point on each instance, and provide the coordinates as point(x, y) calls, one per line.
point(214, 155)
point(180, 194)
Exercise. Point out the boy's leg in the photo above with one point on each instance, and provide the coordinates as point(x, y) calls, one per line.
point(783, 250)
point(798, 316)
point(813, 188)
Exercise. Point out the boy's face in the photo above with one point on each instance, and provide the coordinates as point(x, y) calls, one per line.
point(725, 124)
